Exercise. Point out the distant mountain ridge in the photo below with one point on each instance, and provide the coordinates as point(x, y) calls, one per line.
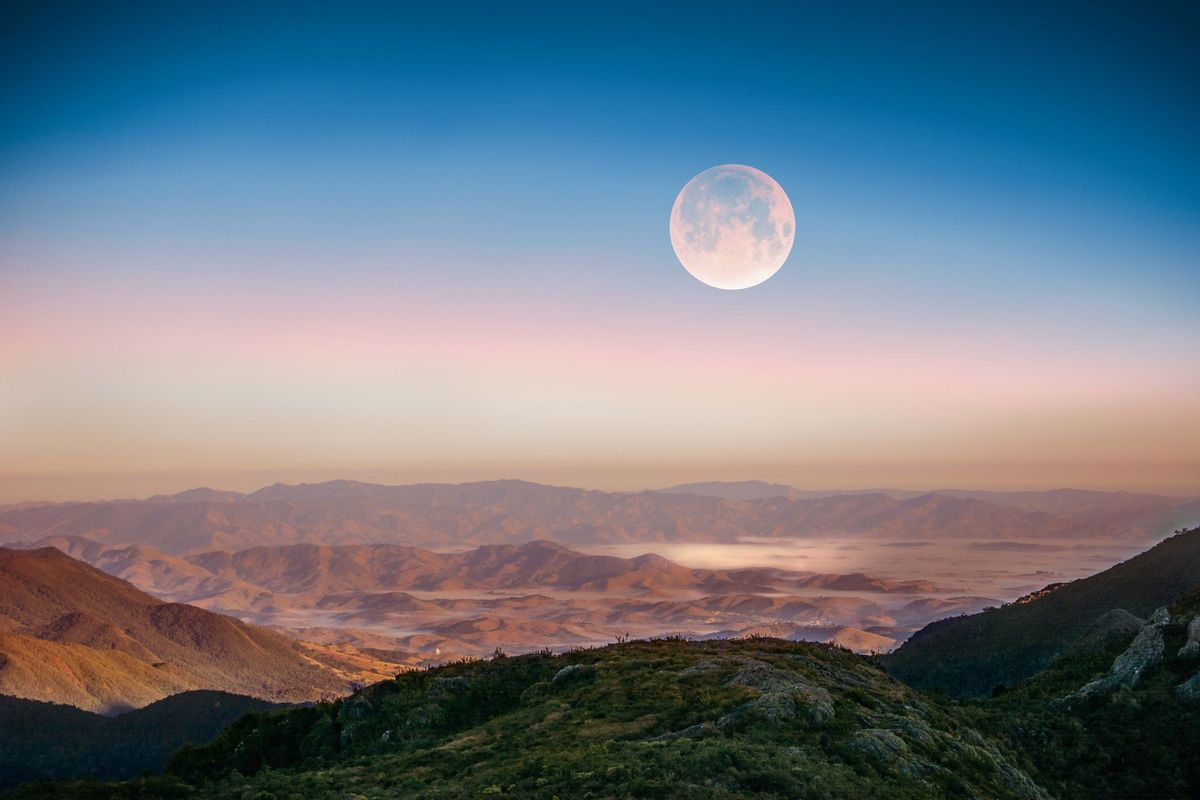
point(513, 512)
point(1084, 503)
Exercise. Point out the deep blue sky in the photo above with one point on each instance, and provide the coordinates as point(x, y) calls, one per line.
point(1079, 121)
point(961, 172)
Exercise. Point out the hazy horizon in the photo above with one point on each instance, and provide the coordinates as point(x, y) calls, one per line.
point(57, 489)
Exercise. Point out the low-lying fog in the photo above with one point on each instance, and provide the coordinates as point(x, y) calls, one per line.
point(966, 576)
point(1004, 570)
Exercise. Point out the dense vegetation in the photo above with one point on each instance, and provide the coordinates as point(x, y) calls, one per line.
point(973, 654)
point(673, 719)
point(1138, 743)
point(42, 740)
point(757, 718)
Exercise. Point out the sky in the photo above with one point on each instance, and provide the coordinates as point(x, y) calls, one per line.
point(249, 242)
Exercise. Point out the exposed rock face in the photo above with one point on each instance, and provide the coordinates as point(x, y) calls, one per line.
point(880, 744)
point(1113, 626)
point(1191, 648)
point(1144, 653)
point(892, 752)
point(1189, 690)
point(566, 672)
point(701, 667)
point(697, 731)
point(785, 696)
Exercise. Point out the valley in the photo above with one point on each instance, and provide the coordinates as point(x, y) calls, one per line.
point(463, 570)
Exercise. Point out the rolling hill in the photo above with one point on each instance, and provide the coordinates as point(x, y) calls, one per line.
point(429, 606)
point(74, 634)
point(311, 570)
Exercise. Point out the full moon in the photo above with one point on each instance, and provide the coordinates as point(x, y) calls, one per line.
point(732, 226)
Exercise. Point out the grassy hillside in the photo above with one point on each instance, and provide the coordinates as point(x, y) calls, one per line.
point(47, 740)
point(757, 718)
point(971, 655)
point(672, 719)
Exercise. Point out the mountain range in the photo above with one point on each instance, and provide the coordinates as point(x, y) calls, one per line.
point(413, 606)
point(314, 570)
point(440, 516)
point(1114, 510)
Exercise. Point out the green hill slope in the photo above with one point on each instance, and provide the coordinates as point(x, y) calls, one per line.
point(750, 718)
point(970, 655)
point(1138, 742)
point(756, 718)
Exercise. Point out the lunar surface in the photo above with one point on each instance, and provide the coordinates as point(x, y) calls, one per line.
point(732, 226)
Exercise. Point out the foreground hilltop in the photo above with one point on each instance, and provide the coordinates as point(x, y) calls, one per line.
point(752, 718)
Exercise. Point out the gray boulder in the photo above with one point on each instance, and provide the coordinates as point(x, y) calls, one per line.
point(1191, 648)
point(811, 703)
point(700, 668)
point(698, 731)
point(881, 745)
point(1114, 626)
point(762, 676)
point(786, 695)
point(572, 671)
point(1144, 653)
point(1189, 690)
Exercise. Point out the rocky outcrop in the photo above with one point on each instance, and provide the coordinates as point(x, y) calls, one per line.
point(572, 671)
point(697, 731)
point(1111, 627)
point(1191, 648)
point(1189, 690)
point(1144, 652)
point(786, 695)
point(881, 745)
point(700, 668)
